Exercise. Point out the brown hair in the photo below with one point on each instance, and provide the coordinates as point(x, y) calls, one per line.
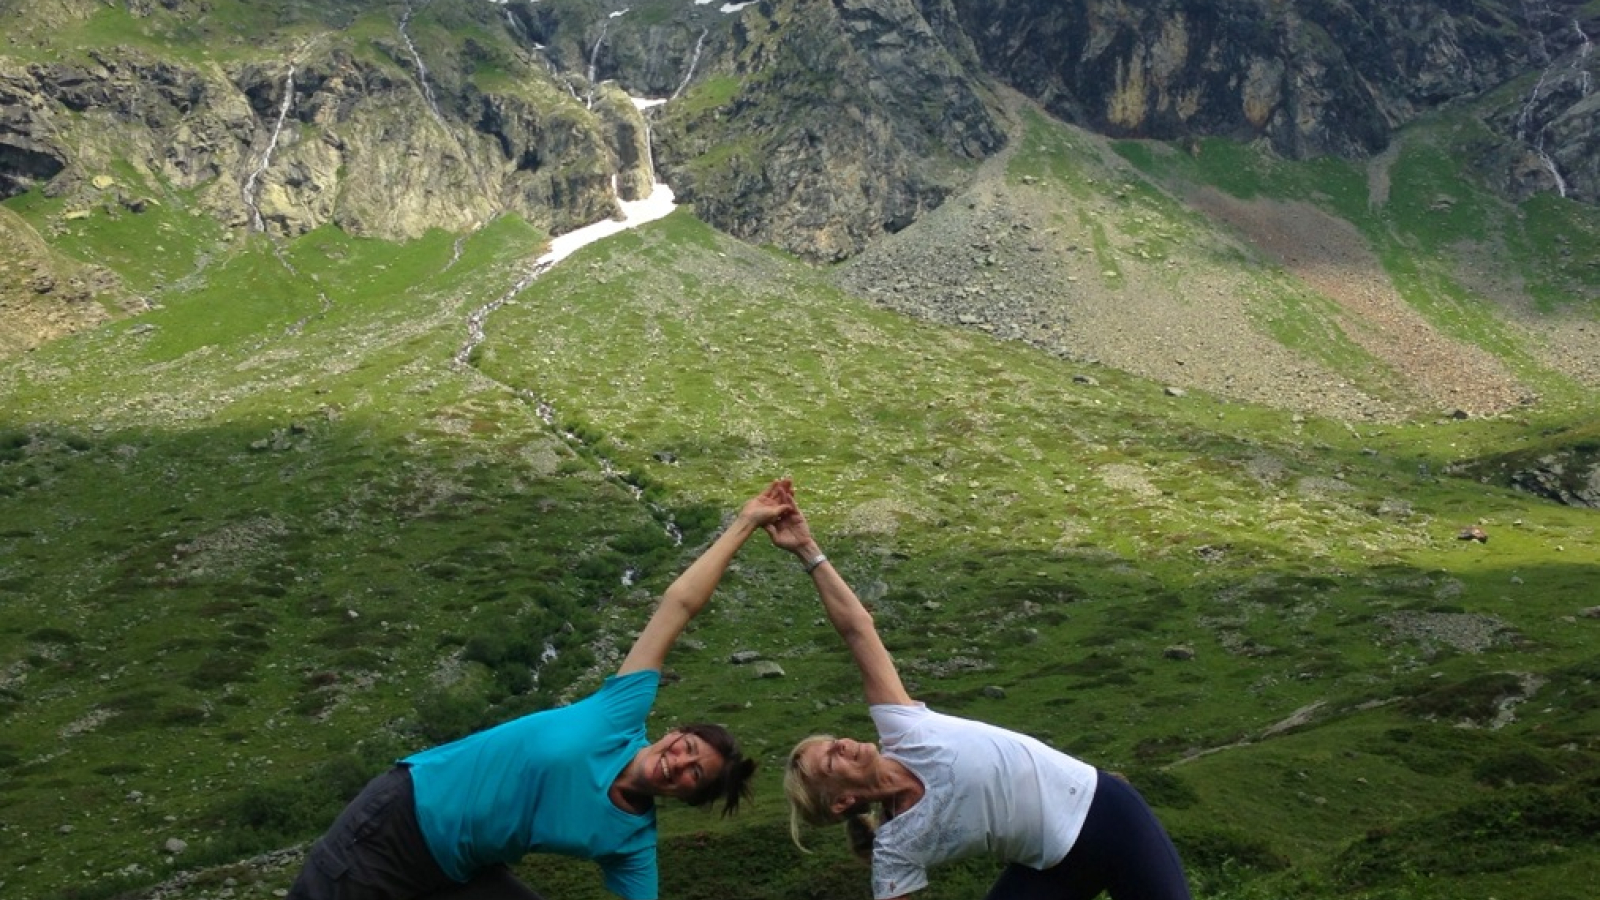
point(810, 804)
point(733, 785)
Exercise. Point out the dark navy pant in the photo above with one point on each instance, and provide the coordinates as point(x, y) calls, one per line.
point(1122, 850)
point(375, 851)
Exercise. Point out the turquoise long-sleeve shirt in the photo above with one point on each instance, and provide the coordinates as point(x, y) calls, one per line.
point(540, 784)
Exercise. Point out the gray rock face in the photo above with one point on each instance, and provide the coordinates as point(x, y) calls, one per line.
point(333, 138)
point(813, 126)
point(852, 119)
point(1311, 78)
point(1566, 479)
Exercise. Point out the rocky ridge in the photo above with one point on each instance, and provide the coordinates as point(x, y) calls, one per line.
point(1016, 260)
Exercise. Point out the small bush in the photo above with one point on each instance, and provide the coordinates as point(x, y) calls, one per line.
point(119, 768)
point(341, 778)
point(313, 704)
point(219, 670)
point(133, 701)
point(1515, 767)
point(602, 569)
point(1517, 828)
point(13, 444)
point(443, 717)
point(1163, 788)
point(281, 809)
point(1476, 699)
point(696, 522)
point(1217, 849)
point(182, 716)
point(358, 659)
point(1430, 750)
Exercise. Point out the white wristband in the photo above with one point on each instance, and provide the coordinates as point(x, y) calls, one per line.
point(811, 564)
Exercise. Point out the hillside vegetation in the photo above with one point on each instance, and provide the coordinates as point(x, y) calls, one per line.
point(294, 518)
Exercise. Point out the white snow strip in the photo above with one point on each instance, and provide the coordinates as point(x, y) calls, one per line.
point(634, 213)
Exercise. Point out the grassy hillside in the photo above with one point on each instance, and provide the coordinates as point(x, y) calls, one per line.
point(261, 539)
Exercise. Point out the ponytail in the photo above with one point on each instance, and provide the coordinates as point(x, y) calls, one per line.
point(860, 829)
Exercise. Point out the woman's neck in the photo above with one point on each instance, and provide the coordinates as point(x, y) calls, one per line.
point(901, 788)
point(630, 791)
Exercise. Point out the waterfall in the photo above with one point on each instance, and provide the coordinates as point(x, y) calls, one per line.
point(694, 60)
point(515, 24)
point(1550, 166)
point(1536, 12)
point(416, 59)
point(1526, 115)
point(1581, 61)
point(249, 190)
point(642, 105)
point(594, 61)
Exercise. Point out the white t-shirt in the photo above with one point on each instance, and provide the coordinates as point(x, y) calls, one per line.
point(987, 790)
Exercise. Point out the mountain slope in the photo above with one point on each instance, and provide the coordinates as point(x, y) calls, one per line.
point(1108, 440)
point(1280, 293)
point(257, 554)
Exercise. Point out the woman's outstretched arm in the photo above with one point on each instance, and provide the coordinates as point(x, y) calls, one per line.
point(688, 595)
point(879, 678)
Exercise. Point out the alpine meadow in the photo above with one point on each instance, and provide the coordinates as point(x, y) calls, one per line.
point(1209, 390)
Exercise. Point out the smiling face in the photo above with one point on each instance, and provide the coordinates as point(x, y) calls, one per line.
point(680, 763)
point(840, 768)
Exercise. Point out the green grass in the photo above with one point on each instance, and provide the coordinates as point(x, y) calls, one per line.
point(150, 249)
point(1050, 154)
point(229, 30)
point(424, 524)
point(712, 93)
point(267, 536)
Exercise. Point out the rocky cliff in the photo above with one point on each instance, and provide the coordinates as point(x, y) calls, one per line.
point(1311, 78)
point(320, 136)
point(845, 121)
point(814, 125)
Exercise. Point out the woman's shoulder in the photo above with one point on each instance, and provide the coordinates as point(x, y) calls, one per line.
point(895, 719)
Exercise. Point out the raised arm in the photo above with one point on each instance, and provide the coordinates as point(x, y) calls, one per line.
point(880, 681)
point(690, 592)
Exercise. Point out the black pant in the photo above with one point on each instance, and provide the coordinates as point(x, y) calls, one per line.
point(375, 851)
point(1122, 850)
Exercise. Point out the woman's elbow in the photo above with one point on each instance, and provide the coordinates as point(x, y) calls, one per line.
point(857, 625)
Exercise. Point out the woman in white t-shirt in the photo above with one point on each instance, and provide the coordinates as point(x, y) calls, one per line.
point(945, 788)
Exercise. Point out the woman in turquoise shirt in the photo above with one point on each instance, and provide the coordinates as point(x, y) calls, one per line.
point(580, 780)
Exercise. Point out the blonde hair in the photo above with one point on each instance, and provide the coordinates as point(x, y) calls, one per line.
point(810, 804)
